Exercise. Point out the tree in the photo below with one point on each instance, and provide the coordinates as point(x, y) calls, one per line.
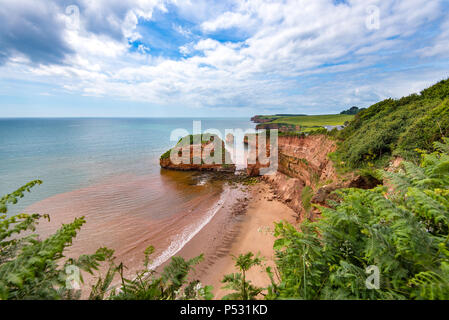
point(352, 111)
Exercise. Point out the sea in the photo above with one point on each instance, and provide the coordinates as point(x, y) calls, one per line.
point(107, 171)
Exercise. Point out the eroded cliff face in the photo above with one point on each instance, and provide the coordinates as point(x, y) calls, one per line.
point(304, 162)
point(306, 158)
point(167, 164)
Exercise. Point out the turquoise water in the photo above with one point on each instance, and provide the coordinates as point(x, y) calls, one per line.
point(69, 154)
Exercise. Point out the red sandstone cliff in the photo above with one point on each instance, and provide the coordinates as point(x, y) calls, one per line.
point(304, 161)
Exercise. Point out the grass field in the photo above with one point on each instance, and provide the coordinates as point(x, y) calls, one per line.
point(316, 121)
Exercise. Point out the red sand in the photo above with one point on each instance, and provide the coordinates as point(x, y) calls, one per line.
point(241, 227)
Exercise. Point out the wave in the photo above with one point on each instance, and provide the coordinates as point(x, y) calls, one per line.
point(188, 233)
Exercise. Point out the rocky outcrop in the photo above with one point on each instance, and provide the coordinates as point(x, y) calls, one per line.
point(167, 164)
point(262, 119)
point(193, 160)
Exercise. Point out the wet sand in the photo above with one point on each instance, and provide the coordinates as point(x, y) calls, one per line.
point(244, 224)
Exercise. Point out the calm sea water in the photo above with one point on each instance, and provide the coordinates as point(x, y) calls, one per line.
point(107, 170)
point(69, 154)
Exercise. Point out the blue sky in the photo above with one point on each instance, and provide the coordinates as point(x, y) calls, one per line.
point(205, 58)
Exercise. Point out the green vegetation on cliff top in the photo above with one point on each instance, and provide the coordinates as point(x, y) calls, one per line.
point(308, 123)
point(396, 128)
point(316, 121)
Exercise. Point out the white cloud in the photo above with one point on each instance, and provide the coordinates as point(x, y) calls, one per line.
point(291, 44)
point(182, 31)
point(228, 20)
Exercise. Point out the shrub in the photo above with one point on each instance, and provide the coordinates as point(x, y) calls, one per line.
point(396, 127)
point(31, 268)
point(243, 289)
point(401, 228)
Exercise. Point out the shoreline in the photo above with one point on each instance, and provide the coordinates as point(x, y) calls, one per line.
point(243, 224)
point(188, 235)
point(240, 221)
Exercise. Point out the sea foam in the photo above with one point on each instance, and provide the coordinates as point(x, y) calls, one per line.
point(181, 239)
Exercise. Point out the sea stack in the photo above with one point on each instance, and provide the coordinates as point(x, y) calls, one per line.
point(196, 154)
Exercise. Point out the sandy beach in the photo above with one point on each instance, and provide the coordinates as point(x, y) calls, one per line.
point(243, 224)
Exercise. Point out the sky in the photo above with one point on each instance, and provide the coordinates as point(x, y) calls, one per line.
point(187, 58)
